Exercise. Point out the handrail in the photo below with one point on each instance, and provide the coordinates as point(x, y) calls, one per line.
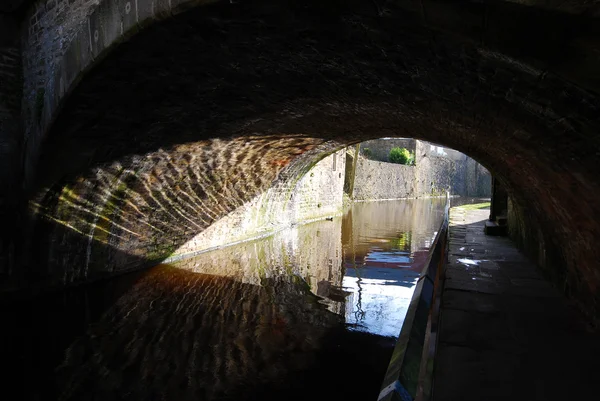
point(410, 373)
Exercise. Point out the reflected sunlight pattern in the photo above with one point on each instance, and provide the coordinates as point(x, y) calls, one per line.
point(195, 337)
point(369, 279)
point(250, 321)
point(386, 245)
point(141, 209)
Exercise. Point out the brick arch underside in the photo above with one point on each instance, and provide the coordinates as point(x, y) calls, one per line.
point(196, 115)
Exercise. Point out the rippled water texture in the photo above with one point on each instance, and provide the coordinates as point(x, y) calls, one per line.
point(310, 313)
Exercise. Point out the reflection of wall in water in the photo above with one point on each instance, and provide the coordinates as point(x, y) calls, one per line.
point(317, 253)
point(195, 336)
point(373, 221)
point(426, 221)
point(311, 251)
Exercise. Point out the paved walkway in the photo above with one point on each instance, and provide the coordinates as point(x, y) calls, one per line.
point(505, 333)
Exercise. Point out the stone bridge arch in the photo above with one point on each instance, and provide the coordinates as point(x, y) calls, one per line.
point(262, 89)
point(64, 39)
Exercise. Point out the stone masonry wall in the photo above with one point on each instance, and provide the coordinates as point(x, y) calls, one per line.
point(427, 149)
point(433, 174)
point(376, 180)
point(449, 170)
point(317, 194)
point(514, 97)
point(379, 149)
point(320, 192)
point(50, 25)
point(478, 180)
point(10, 130)
point(48, 29)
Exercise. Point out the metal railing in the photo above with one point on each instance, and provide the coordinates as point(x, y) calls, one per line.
point(410, 372)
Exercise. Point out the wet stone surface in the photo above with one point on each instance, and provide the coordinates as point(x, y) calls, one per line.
point(505, 332)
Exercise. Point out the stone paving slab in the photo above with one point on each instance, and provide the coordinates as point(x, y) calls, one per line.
point(506, 333)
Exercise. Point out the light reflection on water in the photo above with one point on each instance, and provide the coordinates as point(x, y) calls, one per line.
point(280, 318)
point(385, 247)
point(362, 265)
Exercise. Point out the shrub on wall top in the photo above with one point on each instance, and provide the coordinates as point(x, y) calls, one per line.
point(401, 156)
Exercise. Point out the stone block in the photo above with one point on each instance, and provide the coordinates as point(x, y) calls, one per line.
point(109, 22)
point(76, 58)
point(148, 10)
point(491, 228)
point(95, 33)
point(128, 13)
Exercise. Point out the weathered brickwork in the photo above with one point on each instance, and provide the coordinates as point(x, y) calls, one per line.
point(376, 180)
point(10, 139)
point(10, 107)
point(63, 38)
point(316, 195)
point(319, 193)
point(111, 84)
point(442, 169)
point(436, 171)
point(48, 29)
point(478, 180)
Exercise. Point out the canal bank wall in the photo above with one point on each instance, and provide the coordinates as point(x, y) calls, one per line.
point(436, 171)
point(376, 180)
point(319, 194)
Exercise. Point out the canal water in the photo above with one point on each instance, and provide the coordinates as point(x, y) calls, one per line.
point(311, 313)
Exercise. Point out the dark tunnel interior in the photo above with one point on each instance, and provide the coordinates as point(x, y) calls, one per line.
point(210, 108)
point(138, 135)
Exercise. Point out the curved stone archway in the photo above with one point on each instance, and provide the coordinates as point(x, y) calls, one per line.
point(63, 40)
point(216, 105)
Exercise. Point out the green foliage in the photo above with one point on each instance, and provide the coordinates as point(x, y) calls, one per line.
point(403, 241)
point(401, 156)
point(475, 206)
point(367, 153)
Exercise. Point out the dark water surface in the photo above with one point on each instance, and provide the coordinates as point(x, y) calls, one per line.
point(311, 313)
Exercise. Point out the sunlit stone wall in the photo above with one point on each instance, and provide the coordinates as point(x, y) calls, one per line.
point(315, 195)
point(441, 169)
point(144, 208)
point(435, 175)
point(376, 180)
point(437, 169)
